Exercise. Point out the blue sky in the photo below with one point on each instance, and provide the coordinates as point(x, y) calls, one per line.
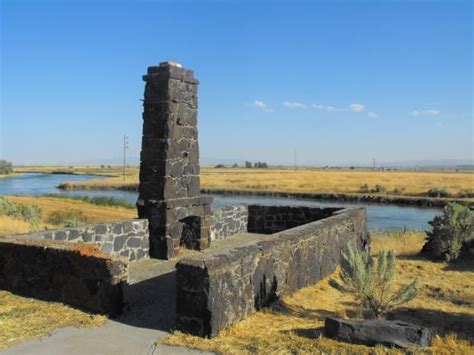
point(339, 81)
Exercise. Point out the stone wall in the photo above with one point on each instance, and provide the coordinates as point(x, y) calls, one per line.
point(220, 288)
point(272, 219)
point(126, 239)
point(75, 274)
point(228, 221)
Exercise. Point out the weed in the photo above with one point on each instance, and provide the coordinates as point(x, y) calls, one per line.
point(380, 189)
point(438, 192)
point(68, 218)
point(28, 213)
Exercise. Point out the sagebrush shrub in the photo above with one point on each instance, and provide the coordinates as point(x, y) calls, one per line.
point(371, 285)
point(380, 188)
point(438, 192)
point(450, 231)
point(28, 213)
point(68, 218)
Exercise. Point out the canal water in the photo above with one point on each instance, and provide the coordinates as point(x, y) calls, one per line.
point(381, 217)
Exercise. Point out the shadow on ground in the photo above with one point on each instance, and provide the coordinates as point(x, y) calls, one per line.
point(301, 312)
point(462, 265)
point(442, 323)
point(151, 303)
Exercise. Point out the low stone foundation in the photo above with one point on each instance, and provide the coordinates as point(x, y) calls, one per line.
point(220, 288)
point(126, 239)
point(75, 274)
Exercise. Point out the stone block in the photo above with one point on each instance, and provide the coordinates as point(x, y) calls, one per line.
point(375, 332)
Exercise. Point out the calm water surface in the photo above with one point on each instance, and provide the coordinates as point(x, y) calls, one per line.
point(383, 217)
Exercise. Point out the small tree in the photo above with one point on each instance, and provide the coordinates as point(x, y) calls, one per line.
point(371, 285)
point(5, 167)
point(450, 231)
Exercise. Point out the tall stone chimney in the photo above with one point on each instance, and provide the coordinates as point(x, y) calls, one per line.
point(169, 190)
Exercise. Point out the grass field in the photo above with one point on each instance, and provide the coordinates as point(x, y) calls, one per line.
point(403, 183)
point(294, 325)
point(89, 213)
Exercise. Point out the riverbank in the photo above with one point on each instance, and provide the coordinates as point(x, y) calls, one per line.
point(7, 176)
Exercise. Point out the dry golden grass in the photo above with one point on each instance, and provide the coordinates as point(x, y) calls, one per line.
point(294, 325)
point(404, 183)
point(338, 181)
point(9, 225)
point(25, 318)
point(92, 213)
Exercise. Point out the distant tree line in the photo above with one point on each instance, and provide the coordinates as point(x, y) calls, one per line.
point(5, 167)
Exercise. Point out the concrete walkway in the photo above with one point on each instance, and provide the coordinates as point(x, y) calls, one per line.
point(113, 338)
point(149, 315)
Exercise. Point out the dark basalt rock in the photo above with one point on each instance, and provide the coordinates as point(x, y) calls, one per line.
point(373, 332)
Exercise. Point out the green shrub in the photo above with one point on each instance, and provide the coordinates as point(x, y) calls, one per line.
point(398, 190)
point(380, 188)
point(5, 167)
point(438, 192)
point(371, 285)
point(364, 188)
point(68, 218)
point(30, 214)
point(450, 230)
point(466, 193)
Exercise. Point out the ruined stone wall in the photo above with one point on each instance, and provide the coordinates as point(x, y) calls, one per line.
point(227, 221)
point(223, 287)
point(126, 239)
point(272, 219)
point(63, 272)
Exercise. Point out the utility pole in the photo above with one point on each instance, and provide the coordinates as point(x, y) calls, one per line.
point(296, 161)
point(125, 147)
point(374, 163)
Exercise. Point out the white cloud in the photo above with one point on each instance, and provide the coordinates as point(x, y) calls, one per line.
point(372, 115)
point(357, 107)
point(293, 104)
point(427, 112)
point(261, 105)
point(326, 108)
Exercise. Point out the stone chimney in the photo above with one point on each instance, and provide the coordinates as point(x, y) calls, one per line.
point(169, 190)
